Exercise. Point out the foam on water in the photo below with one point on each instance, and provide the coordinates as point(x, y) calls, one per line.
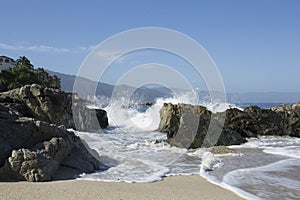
point(273, 181)
point(134, 152)
point(209, 162)
point(286, 146)
point(138, 157)
point(122, 114)
point(224, 185)
point(290, 151)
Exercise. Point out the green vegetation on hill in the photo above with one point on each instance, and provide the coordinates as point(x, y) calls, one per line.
point(24, 73)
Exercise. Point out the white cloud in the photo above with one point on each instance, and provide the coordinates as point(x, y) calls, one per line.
point(9, 47)
point(111, 56)
point(107, 55)
point(44, 48)
point(87, 48)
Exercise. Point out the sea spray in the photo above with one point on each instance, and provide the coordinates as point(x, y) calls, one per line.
point(209, 162)
point(126, 114)
point(135, 153)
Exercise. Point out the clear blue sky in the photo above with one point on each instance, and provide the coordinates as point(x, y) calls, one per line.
point(255, 44)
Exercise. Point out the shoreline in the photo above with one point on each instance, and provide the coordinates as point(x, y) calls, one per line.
point(173, 187)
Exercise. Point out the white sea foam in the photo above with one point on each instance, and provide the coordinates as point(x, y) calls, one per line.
point(267, 181)
point(210, 162)
point(235, 190)
point(289, 151)
point(285, 146)
point(134, 152)
point(123, 115)
point(138, 156)
point(269, 141)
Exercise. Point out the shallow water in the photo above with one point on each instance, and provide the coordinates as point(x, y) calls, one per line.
point(264, 168)
point(138, 157)
point(272, 175)
point(145, 157)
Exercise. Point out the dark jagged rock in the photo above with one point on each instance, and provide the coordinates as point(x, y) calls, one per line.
point(55, 106)
point(102, 118)
point(254, 121)
point(187, 126)
point(191, 126)
point(291, 115)
point(34, 142)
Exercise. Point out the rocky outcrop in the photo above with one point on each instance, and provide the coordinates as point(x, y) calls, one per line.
point(34, 142)
point(191, 126)
point(55, 107)
point(33, 150)
point(290, 114)
point(253, 121)
point(187, 126)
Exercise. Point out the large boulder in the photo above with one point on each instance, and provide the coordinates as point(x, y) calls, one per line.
point(187, 127)
point(56, 107)
point(254, 121)
point(190, 126)
point(33, 150)
point(291, 115)
point(34, 141)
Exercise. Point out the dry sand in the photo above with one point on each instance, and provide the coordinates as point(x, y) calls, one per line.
point(171, 188)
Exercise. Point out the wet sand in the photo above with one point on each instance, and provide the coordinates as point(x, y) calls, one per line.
point(177, 187)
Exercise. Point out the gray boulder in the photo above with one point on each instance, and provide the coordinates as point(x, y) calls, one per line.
point(254, 121)
point(187, 126)
point(291, 115)
point(55, 106)
point(32, 145)
point(33, 150)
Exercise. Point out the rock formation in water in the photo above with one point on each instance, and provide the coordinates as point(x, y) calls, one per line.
point(191, 126)
point(34, 142)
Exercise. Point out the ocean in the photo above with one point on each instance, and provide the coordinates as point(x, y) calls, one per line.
point(262, 168)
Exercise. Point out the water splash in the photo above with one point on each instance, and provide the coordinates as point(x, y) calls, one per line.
point(133, 116)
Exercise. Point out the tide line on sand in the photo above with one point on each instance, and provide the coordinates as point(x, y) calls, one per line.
point(176, 187)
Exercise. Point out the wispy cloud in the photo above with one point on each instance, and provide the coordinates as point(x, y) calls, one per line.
point(88, 48)
point(44, 48)
point(111, 56)
point(106, 55)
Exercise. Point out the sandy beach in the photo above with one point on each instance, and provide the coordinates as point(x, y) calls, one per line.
point(178, 187)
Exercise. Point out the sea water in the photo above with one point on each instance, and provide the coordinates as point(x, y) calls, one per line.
point(266, 168)
point(263, 168)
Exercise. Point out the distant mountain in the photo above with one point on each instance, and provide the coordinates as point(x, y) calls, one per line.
point(140, 95)
point(67, 83)
point(149, 94)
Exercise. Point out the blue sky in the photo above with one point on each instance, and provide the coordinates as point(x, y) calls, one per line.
point(255, 44)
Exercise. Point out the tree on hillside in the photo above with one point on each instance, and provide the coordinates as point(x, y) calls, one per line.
point(24, 61)
point(55, 82)
point(24, 73)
